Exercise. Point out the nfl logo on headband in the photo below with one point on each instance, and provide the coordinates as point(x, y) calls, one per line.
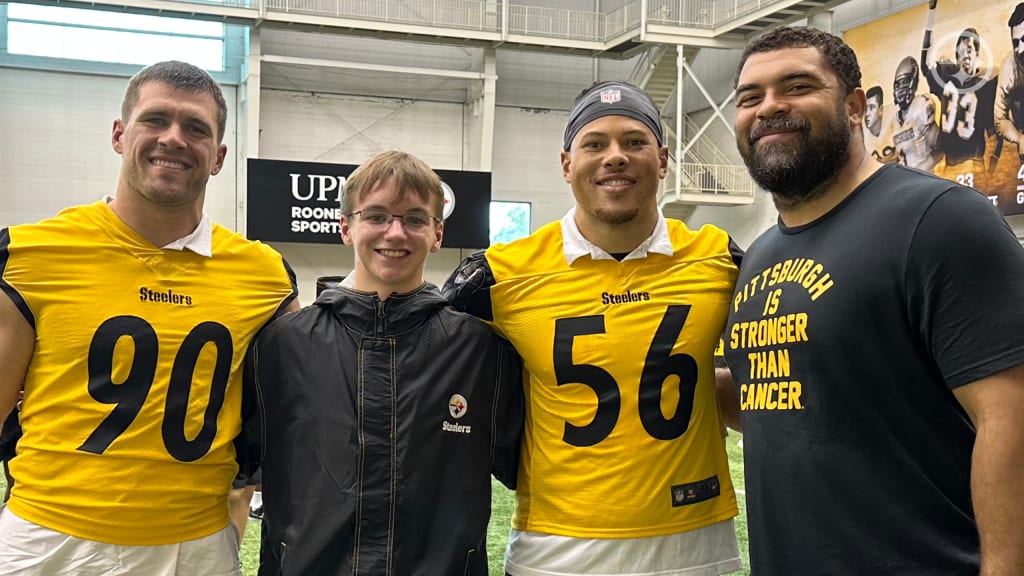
point(611, 96)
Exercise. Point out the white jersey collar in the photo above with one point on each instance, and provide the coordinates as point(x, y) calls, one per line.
point(199, 240)
point(576, 246)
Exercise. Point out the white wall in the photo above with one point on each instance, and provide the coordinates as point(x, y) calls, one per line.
point(527, 145)
point(350, 129)
point(56, 151)
point(51, 154)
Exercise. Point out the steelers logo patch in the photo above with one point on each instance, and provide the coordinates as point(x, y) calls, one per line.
point(457, 406)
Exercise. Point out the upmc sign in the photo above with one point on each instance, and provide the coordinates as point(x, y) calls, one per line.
point(301, 202)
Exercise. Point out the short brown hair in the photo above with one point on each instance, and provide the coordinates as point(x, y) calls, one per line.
point(180, 76)
point(412, 176)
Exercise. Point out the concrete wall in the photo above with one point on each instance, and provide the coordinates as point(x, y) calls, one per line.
point(56, 147)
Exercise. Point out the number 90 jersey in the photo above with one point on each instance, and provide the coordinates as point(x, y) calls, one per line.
point(623, 436)
point(133, 393)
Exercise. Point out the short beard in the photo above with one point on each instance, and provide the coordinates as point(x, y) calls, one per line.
point(615, 217)
point(795, 173)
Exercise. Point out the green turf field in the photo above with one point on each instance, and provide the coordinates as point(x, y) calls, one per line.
point(501, 516)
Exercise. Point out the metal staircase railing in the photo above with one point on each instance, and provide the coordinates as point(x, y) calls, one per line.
point(495, 20)
point(707, 174)
point(646, 64)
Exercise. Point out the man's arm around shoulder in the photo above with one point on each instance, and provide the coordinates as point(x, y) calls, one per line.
point(17, 342)
point(468, 287)
point(249, 442)
point(511, 413)
point(996, 406)
point(728, 400)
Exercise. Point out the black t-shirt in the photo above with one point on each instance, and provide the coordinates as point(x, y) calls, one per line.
point(846, 338)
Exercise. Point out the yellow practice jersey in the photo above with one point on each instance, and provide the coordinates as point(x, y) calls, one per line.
point(623, 436)
point(133, 394)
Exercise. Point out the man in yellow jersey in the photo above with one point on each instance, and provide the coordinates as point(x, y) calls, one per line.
point(127, 321)
point(616, 312)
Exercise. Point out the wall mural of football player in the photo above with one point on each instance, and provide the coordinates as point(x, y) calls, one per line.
point(1009, 97)
point(873, 112)
point(966, 91)
point(878, 124)
point(915, 129)
point(974, 74)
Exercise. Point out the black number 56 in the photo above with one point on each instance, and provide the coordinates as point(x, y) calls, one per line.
point(659, 364)
point(130, 395)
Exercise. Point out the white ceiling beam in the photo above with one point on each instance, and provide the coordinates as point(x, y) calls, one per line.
point(321, 63)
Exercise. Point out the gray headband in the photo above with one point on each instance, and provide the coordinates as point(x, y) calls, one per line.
point(613, 99)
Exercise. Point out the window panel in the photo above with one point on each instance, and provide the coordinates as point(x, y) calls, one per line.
point(509, 221)
point(71, 35)
point(163, 25)
point(57, 41)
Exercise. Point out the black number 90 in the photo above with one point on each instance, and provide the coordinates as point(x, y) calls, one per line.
point(130, 395)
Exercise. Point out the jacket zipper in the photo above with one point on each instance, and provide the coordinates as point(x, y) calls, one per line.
point(381, 305)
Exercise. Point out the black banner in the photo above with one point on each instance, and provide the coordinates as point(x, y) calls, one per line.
point(301, 202)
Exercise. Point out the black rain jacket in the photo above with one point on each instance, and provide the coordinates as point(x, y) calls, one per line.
point(382, 423)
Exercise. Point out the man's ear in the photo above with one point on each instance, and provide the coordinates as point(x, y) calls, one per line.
point(566, 161)
point(346, 231)
point(116, 135)
point(856, 105)
point(222, 152)
point(438, 236)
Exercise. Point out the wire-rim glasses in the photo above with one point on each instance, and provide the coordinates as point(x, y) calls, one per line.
point(381, 220)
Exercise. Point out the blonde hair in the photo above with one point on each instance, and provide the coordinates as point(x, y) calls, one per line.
point(412, 176)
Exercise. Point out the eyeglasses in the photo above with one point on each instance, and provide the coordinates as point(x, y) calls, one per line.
point(381, 220)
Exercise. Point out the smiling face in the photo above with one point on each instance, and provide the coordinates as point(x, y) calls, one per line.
point(168, 146)
point(614, 166)
point(967, 54)
point(792, 126)
point(390, 258)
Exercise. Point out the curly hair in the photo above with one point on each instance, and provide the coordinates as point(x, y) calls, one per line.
point(838, 54)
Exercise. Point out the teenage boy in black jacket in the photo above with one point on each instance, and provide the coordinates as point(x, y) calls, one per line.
point(385, 410)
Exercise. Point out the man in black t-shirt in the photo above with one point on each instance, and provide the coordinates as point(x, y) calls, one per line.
point(875, 340)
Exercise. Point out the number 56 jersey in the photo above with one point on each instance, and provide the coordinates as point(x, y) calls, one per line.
point(623, 437)
point(133, 393)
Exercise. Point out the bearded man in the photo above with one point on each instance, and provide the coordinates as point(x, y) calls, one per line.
point(874, 337)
